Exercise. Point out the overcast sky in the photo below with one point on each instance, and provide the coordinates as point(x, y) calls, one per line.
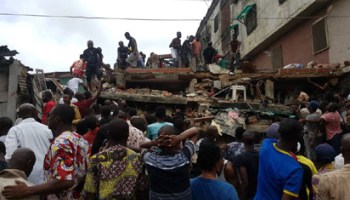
point(53, 44)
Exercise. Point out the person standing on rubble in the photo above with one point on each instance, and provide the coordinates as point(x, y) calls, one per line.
point(133, 51)
point(186, 52)
point(122, 55)
point(78, 67)
point(92, 57)
point(209, 54)
point(235, 52)
point(175, 46)
point(197, 50)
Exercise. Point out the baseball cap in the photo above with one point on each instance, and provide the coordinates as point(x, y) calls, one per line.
point(325, 153)
point(272, 132)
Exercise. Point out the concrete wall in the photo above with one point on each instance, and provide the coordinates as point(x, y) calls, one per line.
point(272, 16)
point(296, 45)
point(339, 31)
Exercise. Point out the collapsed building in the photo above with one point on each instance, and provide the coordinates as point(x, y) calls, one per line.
point(251, 100)
point(18, 85)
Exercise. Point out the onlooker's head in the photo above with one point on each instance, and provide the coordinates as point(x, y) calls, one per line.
point(324, 154)
point(107, 102)
point(239, 133)
point(127, 35)
point(46, 96)
point(139, 123)
point(118, 131)
point(81, 56)
point(160, 113)
point(81, 127)
point(80, 96)
point(178, 34)
point(150, 118)
point(66, 99)
point(61, 115)
point(179, 124)
point(167, 130)
point(2, 148)
point(345, 145)
point(272, 132)
point(91, 122)
point(290, 131)
point(132, 112)
point(212, 133)
point(27, 110)
point(88, 112)
point(248, 138)
point(90, 44)
point(122, 115)
point(97, 109)
point(332, 107)
point(313, 106)
point(209, 157)
point(5, 125)
point(105, 111)
point(121, 43)
point(23, 159)
point(87, 95)
point(69, 92)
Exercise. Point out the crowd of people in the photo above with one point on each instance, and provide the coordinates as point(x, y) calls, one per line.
point(190, 53)
point(84, 149)
point(81, 147)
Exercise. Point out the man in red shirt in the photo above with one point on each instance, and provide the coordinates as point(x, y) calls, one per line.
point(49, 103)
point(83, 104)
point(78, 67)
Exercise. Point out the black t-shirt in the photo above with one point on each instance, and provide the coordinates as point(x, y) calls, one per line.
point(93, 57)
point(123, 52)
point(186, 47)
point(209, 54)
point(249, 160)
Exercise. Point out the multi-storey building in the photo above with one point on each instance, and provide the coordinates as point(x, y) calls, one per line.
point(275, 33)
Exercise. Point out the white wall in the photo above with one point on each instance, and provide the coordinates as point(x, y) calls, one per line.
point(339, 31)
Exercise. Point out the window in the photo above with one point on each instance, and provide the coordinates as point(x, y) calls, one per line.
point(319, 36)
point(216, 23)
point(281, 1)
point(234, 1)
point(251, 19)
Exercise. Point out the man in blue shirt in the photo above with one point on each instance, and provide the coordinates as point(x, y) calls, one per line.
point(280, 174)
point(152, 129)
point(207, 186)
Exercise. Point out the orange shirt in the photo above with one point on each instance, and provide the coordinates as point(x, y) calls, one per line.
point(196, 47)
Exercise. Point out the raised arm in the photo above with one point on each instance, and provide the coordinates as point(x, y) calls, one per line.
point(99, 91)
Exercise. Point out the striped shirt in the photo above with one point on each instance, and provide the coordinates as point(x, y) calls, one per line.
point(169, 174)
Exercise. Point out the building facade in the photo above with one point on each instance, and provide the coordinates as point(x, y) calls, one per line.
point(275, 33)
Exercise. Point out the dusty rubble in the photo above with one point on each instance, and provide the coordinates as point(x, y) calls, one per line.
point(267, 92)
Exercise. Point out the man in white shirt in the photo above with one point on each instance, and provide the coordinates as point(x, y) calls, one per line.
point(74, 84)
point(30, 134)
